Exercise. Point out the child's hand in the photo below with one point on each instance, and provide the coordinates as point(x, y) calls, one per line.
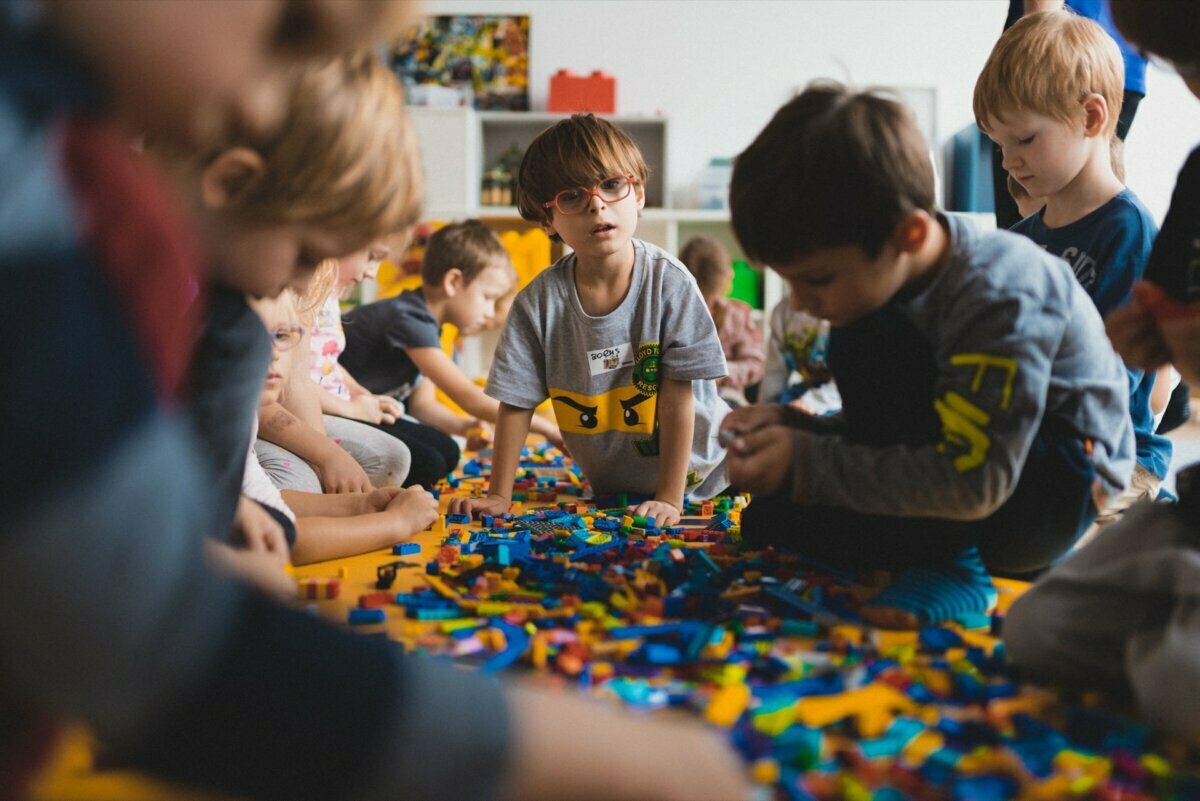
point(665, 513)
point(259, 531)
point(491, 505)
point(760, 461)
point(259, 569)
point(378, 499)
point(556, 763)
point(390, 406)
point(1134, 331)
point(478, 434)
point(745, 419)
point(340, 473)
point(415, 509)
point(367, 409)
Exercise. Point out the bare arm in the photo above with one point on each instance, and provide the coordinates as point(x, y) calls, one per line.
point(320, 538)
point(676, 422)
point(511, 429)
point(423, 405)
point(435, 365)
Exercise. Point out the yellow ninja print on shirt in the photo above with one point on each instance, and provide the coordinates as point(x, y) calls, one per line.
point(622, 409)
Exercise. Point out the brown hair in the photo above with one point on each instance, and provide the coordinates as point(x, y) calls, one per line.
point(1047, 63)
point(833, 167)
point(1166, 28)
point(707, 260)
point(345, 156)
point(577, 151)
point(469, 246)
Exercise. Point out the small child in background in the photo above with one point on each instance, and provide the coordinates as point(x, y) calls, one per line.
point(1123, 614)
point(981, 402)
point(1049, 96)
point(328, 526)
point(708, 262)
point(797, 371)
point(616, 334)
point(393, 344)
point(340, 396)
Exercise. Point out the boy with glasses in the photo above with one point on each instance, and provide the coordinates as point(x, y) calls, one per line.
point(616, 334)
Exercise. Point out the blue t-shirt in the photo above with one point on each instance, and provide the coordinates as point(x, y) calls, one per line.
point(1098, 10)
point(1108, 250)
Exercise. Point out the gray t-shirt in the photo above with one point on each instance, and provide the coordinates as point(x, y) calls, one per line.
point(1017, 341)
point(602, 373)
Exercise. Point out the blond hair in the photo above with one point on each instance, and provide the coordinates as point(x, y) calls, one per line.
point(1048, 63)
point(345, 156)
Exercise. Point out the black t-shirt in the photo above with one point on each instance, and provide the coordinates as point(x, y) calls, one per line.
point(1175, 261)
point(378, 336)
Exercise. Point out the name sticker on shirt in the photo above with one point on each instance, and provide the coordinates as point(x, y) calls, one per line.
point(611, 358)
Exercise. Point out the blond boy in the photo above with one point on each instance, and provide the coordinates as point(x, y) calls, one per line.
point(1049, 96)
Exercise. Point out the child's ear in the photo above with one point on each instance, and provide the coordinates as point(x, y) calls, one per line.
point(912, 231)
point(453, 282)
point(1095, 115)
point(547, 227)
point(641, 195)
point(228, 176)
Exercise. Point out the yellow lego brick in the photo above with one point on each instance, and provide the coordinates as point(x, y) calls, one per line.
point(874, 706)
point(775, 723)
point(765, 771)
point(727, 705)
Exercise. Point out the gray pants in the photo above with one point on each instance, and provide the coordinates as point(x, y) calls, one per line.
point(1122, 613)
point(384, 458)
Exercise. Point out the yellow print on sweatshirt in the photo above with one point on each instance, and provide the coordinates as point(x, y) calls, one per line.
point(621, 409)
point(964, 422)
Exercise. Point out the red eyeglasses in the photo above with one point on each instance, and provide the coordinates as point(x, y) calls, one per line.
point(576, 201)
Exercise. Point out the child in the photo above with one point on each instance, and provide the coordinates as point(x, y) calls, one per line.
point(741, 341)
point(798, 347)
point(980, 399)
point(329, 526)
point(185, 674)
point(1121, 613)
point(615, 334)
point(391, 345)
point(1049, 96)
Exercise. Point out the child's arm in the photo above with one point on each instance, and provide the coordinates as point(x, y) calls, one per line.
point(387, 404)
point(337, 469)
point(511, 430)
point(435, 365)
point(367, 408)
point(334, 535)
point(676, 423)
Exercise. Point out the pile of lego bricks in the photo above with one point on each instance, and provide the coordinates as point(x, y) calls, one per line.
point(766, 646)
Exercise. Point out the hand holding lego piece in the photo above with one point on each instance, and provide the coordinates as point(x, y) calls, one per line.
point(665, 513)
point(620, 758)
point(760, 461)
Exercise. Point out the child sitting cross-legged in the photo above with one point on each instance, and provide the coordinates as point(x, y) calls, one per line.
point(1049, 96)
point(616, 334)
point(393, 344)
point(981, 401)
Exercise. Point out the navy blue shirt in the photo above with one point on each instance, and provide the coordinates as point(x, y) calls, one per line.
point(1108, 250)
point(378, 336)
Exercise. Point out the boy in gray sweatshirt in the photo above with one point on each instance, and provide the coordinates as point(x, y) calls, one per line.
point(982, 404)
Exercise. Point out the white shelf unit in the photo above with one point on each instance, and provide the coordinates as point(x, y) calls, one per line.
point(459, 144)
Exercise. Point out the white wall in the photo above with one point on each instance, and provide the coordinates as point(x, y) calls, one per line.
point(720, 68)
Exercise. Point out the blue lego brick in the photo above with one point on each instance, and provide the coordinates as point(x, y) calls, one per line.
point(359, 617)
point(460, 519)
point(406, 549)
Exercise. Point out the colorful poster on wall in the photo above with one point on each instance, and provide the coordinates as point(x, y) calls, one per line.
point(482, 61)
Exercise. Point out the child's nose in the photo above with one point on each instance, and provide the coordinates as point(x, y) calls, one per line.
point(1009, 160)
